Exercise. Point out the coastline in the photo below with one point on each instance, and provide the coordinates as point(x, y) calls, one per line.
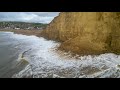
point(25, 32)
point(44, 62)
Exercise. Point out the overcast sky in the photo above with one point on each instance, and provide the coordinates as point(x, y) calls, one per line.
point(39, 17)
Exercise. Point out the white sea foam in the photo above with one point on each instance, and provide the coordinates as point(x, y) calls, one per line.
point(46, 62)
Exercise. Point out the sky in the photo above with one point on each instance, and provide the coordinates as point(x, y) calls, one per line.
point(36, 17)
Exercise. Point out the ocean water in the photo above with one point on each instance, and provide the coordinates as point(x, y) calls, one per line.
point(24, 56)
point(12, 46)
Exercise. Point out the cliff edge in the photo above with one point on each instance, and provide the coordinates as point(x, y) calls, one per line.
point(86, 33)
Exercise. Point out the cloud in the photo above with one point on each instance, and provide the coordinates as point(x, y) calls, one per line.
point(39, 17)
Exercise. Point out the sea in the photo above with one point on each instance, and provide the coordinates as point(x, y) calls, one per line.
point(23, 56)
point(12, 48)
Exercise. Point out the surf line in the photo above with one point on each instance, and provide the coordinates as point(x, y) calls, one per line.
point(22, 58)
point(22, 55)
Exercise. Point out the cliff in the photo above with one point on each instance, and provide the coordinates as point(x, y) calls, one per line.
point(86, 32)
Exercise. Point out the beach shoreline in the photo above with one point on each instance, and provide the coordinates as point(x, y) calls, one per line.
point(25, 32)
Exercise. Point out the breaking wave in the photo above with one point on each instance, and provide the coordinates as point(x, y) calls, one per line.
point(46, 62)
point(33, 57)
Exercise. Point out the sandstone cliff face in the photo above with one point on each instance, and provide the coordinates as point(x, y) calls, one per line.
point(86, 32)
